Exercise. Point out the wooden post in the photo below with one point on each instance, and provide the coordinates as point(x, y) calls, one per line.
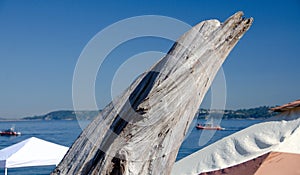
point(141, 132)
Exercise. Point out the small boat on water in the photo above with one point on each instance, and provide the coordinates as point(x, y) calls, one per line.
point(209, 127)
point(10, 132)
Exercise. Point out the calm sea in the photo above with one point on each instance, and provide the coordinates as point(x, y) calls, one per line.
point(66, 132)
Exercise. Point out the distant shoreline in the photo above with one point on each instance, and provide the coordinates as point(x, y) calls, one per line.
point(258, 113)
point(25, 120)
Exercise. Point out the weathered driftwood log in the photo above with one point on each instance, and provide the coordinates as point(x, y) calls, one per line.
point(141, 132)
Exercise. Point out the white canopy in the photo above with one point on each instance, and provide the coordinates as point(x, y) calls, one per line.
point(31, 152)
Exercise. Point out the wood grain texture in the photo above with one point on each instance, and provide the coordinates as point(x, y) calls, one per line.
point(141, 131)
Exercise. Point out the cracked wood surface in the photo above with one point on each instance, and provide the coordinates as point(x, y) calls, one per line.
point(141, 131)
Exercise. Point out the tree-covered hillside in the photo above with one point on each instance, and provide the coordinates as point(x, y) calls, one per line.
point(253, 113)
point(66, 115)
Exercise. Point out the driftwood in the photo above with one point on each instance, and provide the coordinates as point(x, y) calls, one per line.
point(141, 132)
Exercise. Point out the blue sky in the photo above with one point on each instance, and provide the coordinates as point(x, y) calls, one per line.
point(40, 42)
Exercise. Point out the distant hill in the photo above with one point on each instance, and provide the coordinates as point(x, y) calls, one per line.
point(66, 115)
point(262, 112)
point(253, 113)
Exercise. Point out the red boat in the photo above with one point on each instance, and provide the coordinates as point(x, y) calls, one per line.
point(9, 132)
point(209, 127)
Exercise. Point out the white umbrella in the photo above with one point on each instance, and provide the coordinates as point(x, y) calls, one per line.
point(31, 152)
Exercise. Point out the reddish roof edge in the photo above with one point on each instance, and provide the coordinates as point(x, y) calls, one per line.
point(286, 107)
point(247, 168)
point(275, 163)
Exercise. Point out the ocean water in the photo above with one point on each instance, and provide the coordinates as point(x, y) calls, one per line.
point(66, 132)
point(198, 139)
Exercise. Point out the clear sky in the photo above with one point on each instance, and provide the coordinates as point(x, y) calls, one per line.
point(40, 42)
